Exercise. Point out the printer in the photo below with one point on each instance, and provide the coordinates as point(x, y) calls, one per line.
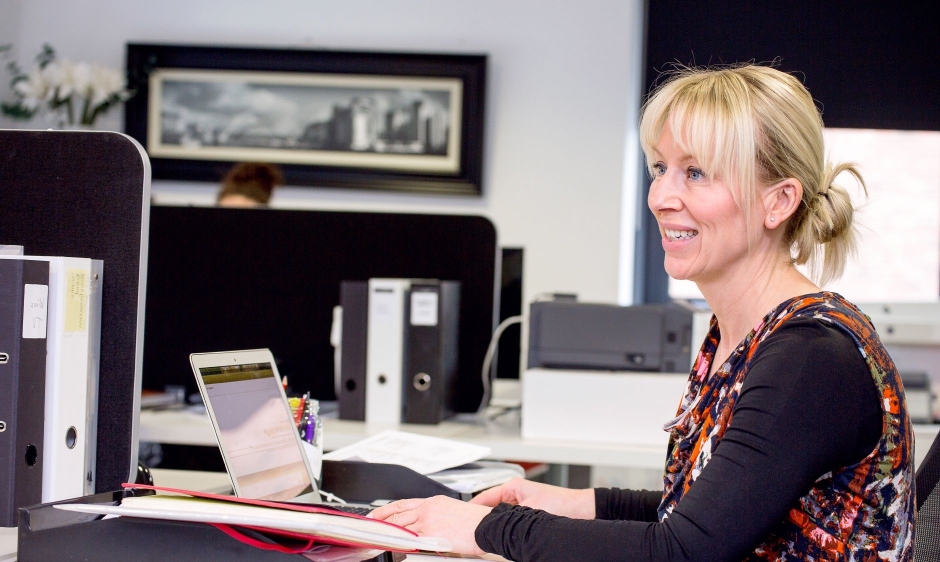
point(609, 337)
point(607, 373)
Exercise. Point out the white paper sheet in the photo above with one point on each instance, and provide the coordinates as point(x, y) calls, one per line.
point(420, 453)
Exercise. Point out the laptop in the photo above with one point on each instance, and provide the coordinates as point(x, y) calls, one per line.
point(252, 420)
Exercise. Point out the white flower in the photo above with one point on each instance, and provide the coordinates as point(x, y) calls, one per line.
point(33, 90)
point(81, 78)
point(58, 76)
point(69, 92)
point(105, 83)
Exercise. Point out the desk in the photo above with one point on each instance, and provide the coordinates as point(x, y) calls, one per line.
point(7, 543)
point(501, 435)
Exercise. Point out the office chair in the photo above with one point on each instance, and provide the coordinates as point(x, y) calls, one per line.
point(927, 482)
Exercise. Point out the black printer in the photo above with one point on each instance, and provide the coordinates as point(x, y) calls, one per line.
point(586, 336)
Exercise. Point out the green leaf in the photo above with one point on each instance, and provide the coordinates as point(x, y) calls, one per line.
point(16, 111)
point(46, 56)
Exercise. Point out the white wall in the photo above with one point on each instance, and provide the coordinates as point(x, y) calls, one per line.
point(563, 83)
point(9, 21)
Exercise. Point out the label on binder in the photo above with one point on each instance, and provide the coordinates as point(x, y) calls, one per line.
point(423, 308)
point(76, 300)
point(35, 311)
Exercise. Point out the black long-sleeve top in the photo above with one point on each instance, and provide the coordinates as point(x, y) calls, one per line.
point(808, 406)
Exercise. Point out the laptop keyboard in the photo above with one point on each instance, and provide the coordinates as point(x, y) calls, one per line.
point(354, 509)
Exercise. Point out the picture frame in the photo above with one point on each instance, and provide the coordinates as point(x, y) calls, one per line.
point(350, 119)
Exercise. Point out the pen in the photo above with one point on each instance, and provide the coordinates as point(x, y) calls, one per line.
point(308, 430)
point(299, 412)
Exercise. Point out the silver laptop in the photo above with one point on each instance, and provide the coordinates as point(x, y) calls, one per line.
point(260, 445)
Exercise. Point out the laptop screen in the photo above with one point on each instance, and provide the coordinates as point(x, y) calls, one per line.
point(257, 435)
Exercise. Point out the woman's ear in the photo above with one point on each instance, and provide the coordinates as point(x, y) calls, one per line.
point(781, 200)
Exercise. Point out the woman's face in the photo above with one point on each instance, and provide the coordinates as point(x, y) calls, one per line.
point(704, 232)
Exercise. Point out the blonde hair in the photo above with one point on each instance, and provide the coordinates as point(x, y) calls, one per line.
point(753, 125)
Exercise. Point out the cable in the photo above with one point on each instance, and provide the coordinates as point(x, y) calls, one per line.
point(331, 498)
point(488, 358)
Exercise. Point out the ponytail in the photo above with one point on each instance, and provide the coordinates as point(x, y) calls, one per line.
point(824, 236)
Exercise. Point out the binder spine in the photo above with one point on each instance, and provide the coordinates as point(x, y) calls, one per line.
point(354, 298)
point(431, 351)
point(71, 377)
point(384, 356)
point(22, 384)
point(94, 363)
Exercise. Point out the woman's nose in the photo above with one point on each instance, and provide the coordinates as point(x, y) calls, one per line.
point(663, 194)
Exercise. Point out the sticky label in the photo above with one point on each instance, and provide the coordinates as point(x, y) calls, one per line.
point(382, 305)
point(35, 311)
point(423, 308)
point(76, 300)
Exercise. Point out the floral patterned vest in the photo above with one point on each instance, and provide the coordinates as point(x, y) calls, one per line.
point(862, 512)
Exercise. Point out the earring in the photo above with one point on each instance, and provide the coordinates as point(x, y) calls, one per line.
point(773, 219)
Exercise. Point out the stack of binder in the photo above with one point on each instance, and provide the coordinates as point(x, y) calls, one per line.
point(398, 358)
point(24, 289)
point(49, 351)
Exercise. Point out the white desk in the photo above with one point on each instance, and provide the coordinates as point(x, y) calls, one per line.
point(500, 435)
point(7, 543)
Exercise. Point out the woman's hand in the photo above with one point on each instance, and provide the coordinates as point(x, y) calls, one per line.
point(439, 516)
point(577, 504)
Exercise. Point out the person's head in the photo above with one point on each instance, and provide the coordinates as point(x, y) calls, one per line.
point(756, 130)
point(249, 184)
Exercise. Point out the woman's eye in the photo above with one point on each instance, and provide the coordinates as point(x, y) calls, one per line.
point(658, 169)
point(695, 174)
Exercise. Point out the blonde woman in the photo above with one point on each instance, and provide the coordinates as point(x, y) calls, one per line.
point(792, 441)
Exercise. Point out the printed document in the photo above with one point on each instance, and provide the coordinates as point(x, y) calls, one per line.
point(420, 453)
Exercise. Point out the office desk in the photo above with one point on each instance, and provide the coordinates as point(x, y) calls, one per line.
point(501, 435)
point(7, 543)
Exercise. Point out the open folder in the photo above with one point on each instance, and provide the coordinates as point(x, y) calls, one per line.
point(308, 524)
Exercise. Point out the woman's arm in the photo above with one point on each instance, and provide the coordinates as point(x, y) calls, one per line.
point(808, 406)
point(628, 505)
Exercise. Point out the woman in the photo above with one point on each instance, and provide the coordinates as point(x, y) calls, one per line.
point(249, 184)
point(792, 441)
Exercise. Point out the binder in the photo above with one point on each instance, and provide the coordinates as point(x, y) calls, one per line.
point(385, 350)
point(24, 292)
point(433, 312)
point(351, 394)
point(71, 400)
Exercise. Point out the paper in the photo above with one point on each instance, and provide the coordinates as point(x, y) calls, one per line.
point(478, 476)
point(420, 453)
point(35, 311)
point(424, 308)
point(338, 527)
point(76, 300)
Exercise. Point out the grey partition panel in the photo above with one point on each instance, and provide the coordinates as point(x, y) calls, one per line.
point(87, 194)
point(222, 278)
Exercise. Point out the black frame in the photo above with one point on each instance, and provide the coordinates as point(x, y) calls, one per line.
point(470, 69)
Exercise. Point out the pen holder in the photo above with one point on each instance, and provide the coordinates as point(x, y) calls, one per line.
point(315, 459)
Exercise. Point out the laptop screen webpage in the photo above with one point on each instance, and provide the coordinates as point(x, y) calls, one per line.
point(256, 432)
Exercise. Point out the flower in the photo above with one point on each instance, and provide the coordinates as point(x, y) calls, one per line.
point(67, 92)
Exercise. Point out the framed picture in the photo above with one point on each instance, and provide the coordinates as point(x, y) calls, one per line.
point(391, 121)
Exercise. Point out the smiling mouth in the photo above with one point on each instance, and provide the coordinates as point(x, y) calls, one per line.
point(673, 235)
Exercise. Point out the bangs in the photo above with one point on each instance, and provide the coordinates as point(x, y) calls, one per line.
point(711, 119)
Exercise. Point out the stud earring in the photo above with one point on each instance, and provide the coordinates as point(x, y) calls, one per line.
point(773, 219)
